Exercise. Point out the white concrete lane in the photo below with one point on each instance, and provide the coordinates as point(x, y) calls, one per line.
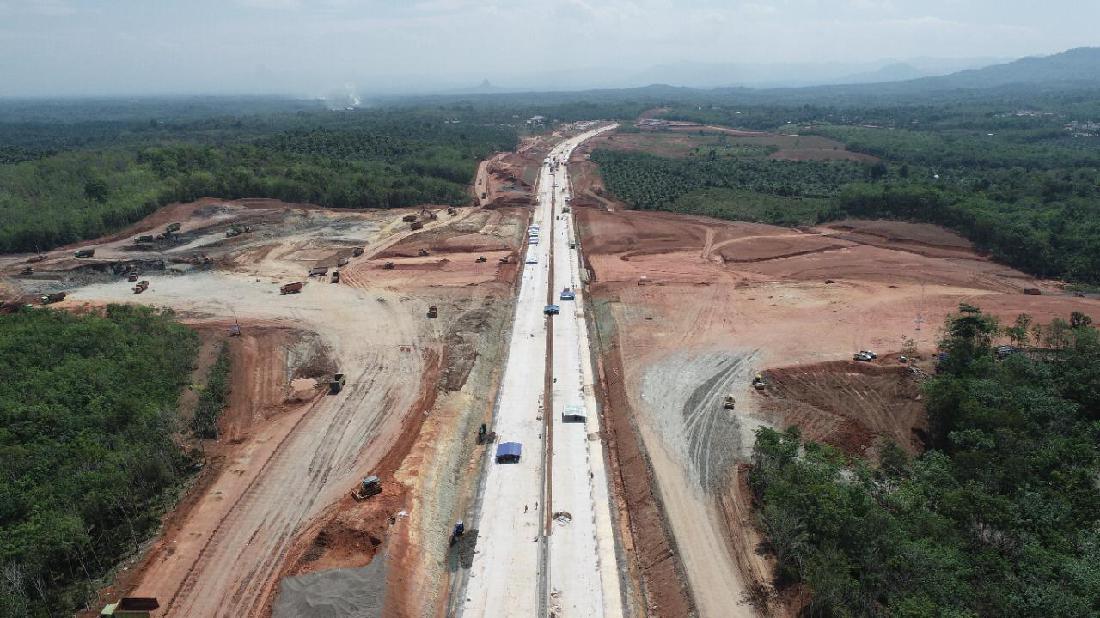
point(584, 574)
point(505, 572)
point(507, 575)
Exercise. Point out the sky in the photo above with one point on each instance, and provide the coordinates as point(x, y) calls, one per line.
point(319, 47)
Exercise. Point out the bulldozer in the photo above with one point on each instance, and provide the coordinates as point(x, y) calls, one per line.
point(729, 402)
point(388, 266)
point(371, 486)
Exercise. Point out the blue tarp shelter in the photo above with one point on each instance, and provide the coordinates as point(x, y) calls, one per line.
point(509, 452)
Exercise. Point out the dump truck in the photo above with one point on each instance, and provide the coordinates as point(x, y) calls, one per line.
point(36, 258)
point(423, 253)
point(133, 277)
point(144, 239)
point(356, 252)
point(371, 486)
point(141, 287)
point(343, 261)
point(433, 311)
point(551, 310)
point(336, 384)
point(729, 403)
point(131, 607)
point(452, 211)
point(292, 288)
point(567, 294)
point(336, 276)
point(758, 382)
point(318, 271)
point(389, 266)
point(409, 218)
point(416, 225)
point(27, 271)
point(173, 228)
point(457, 532)
point(481, 259)
point(1033, 291)
point(85, 253)
point(49, 299)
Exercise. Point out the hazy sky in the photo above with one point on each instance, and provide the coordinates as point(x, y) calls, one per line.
point(67, 47)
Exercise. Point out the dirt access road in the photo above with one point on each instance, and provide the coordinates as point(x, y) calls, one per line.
point(689, 308)
point(294, 458)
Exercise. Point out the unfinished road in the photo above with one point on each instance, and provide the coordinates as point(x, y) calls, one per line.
point(545, 541)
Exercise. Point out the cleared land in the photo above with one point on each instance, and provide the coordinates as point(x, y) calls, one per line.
point(689, 308)
point(274, 497)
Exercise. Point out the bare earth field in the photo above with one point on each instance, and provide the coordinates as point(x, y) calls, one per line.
point(274, 496)
point(689, 309)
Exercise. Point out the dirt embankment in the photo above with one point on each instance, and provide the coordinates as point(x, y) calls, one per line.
point(679, 294)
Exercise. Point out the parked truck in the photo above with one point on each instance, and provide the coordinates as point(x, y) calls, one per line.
point(291, 288)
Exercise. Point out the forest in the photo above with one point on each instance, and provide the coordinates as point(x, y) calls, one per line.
point(87, 426)
point(64, 183)
point(999, 517)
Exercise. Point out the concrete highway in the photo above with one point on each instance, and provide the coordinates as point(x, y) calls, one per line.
point(545, 541)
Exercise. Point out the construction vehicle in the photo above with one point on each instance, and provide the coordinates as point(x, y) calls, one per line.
point(141, 287)
point(433, 311)
point(85, 253)
point(131, 607)
point(336, 276)
point(236, 230)
point(37, 258)
point(729, 402)
point(292, 288)
point(1033, 291)
point(343, 261)
point(133, 277)
point(484, 436)
point(758, 382)
point(27, 271)
point(235, 329)
point(409, 218)
point(416, 225)
point(480, 259)
point(56, 297)
point(863, 356)
point(144, 239)
point(457, 531)
point(452, 211)
point(567, 294)
point(356, 252)
point(371, 486)
point(428, 214)
point(173, 228)
point(318, 271)
point(389, 266)
point(505, 260)
point(423, 253)
point(336, 384)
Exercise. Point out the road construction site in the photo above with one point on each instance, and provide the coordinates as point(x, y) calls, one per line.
point(545, 539)
point(632, 401)
point(690, 309)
